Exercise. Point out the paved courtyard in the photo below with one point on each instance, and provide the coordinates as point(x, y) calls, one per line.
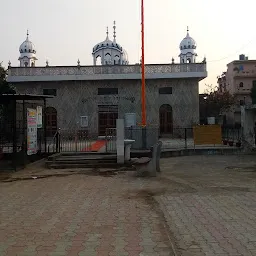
point(81, 215)
point(197, 206)
point(210, 204)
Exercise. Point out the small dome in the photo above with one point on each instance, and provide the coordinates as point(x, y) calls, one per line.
point(27, 46)
point(107, 44)
point(110, 52)
point(188, 42)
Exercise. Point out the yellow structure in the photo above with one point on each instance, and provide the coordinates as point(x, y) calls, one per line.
point(207, 135)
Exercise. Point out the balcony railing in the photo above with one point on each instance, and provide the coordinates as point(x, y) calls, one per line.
point(106, 70)
point(250, 74)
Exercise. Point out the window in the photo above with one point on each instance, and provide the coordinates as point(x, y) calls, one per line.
point(50, 92)
point(84, 121)
point(241, 84)
point(107, 91)
point(241, 102)
point(165, 90)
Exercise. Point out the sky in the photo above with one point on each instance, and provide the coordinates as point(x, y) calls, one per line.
point(63, 30)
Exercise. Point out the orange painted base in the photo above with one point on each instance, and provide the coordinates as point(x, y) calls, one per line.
point(96, 146)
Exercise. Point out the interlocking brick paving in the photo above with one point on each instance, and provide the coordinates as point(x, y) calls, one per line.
point(209, 203)
point(214, 211)
point(81, 215)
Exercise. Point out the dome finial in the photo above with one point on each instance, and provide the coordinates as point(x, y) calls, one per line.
point(114, 27)
point(187, 31)
point(27, 34)
point(107, 34)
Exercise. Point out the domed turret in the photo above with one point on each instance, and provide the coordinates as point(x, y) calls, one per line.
point(27, 53)
point(187, 49)
point(110, 52)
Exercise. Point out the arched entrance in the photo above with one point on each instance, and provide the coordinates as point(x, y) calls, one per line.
point(107, 115)
point(166, 120)
point(51, 121)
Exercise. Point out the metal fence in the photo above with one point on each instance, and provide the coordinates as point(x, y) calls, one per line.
point(110, 140)
point(232, 134)
point(82, 141)
point(144, 138)
point(179, 138)
point(71, 141)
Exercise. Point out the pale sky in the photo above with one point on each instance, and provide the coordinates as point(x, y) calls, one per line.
point(64, 30)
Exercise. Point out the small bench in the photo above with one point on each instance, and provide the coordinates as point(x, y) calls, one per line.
point(150, 166)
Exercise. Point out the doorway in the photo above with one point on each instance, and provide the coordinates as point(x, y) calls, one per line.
point(51, 121)
point(166, 120)
point(107, 115)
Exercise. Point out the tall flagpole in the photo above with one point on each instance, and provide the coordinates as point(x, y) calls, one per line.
point(143, 82)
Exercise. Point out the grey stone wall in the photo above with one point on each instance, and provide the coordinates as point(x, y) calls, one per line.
point(79, 98)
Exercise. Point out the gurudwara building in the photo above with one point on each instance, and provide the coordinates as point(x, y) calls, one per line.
point(93, 97)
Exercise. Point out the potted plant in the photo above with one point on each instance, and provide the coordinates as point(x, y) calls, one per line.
point(231, 143)
point(225, 141)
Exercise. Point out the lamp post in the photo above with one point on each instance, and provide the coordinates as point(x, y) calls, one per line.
point(143, 82)
point(206, 109)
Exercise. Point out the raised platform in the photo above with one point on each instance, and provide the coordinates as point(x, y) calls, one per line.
point(190, 152)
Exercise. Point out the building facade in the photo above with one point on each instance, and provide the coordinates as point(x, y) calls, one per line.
point(93, 97)
point(238, 80)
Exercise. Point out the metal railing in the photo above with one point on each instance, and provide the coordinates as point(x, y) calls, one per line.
point(54, 143)
point(110, 140)
point(82, 141)
point(177, 138)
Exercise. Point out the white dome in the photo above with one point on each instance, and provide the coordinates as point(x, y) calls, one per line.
point(107, 44)
point(110, 52)
point(188, 42)
point(27, 46)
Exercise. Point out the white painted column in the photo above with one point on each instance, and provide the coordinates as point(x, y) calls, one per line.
point(120, 140)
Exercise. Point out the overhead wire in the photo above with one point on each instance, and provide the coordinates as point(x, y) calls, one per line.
point(232, 54)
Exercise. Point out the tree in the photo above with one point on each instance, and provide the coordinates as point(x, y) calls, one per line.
point(6, 108)
point(5, 87)
point(218, 102)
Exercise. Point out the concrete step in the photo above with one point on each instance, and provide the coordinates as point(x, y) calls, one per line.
point(55, 165)
point(70, 158)
point(82, 161)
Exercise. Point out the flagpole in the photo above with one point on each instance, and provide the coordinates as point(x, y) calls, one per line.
point(143, 82)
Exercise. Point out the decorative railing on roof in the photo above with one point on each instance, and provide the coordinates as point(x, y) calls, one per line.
point(105, 70)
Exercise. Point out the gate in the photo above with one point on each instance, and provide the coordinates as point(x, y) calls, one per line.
point(110, 140)
point(82, 141)
point(72, 141)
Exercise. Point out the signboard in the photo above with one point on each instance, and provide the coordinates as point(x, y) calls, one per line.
point(39, 112)
point(207, 135)
point(31, 131)
point(130, 119)
point(84, 121)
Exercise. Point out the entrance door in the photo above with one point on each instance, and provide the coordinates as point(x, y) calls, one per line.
point(51, 121)
point(107, 118)
point(166, 122)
